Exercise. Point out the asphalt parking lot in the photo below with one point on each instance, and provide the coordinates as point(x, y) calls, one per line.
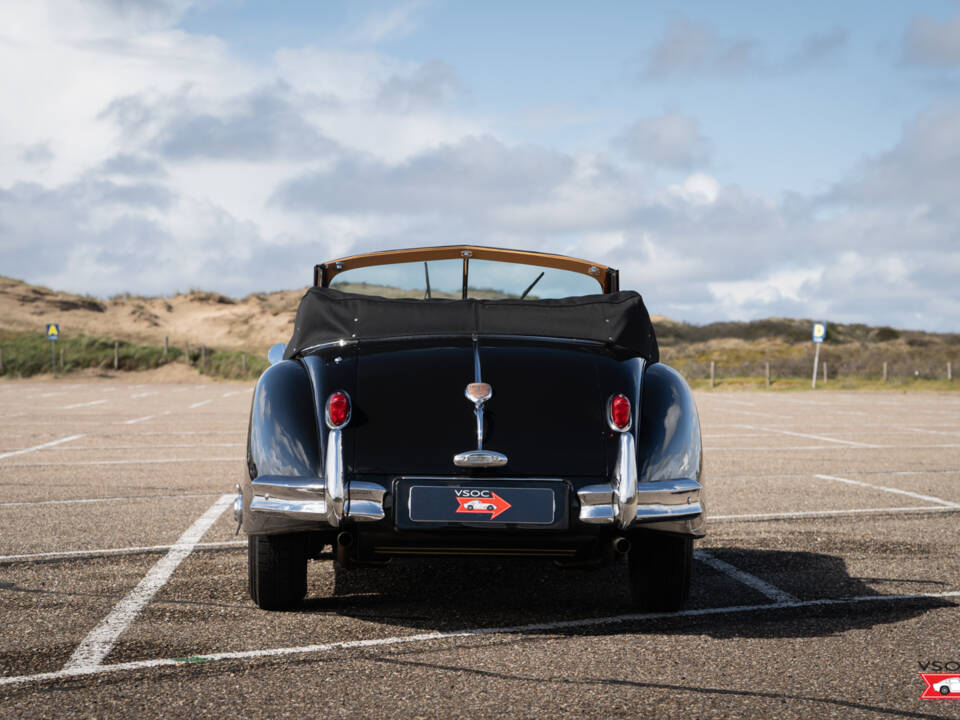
point(830, 571)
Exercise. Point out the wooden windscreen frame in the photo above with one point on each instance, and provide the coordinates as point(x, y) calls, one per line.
point(607, 277)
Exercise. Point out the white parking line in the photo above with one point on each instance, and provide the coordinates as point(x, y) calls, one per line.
point(474, 632)
point(83, 404)
point(104, 552)
point(813, 437)
point(774, 448)
point(143, 394)
point(830, 513)
point(237, 392)
point(200, 404)
point(934, 432)
point(146, 447)
point(100, 641)
point(147, 461)
point(19, 503)
point(758, 414)
point(744, 578)
point(39, 447)
point(142, 419)
point(898, 491)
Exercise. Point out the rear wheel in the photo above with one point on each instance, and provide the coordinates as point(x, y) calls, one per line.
point(277, 570)
point(660, 571)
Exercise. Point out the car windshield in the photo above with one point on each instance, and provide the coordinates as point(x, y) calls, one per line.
point(486, 279)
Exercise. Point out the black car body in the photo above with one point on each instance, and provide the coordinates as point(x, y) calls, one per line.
point(467, 426)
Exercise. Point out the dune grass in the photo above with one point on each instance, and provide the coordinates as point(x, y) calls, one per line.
point(25, 355)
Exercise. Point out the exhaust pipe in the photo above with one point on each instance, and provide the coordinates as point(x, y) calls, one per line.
point(621, 545)
point(345, 539)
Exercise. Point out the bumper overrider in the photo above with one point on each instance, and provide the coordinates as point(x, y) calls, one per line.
point(624, 502)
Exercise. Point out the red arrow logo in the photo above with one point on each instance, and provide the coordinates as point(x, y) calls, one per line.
point(483, 505)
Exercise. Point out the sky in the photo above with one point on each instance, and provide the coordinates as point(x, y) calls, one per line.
point(733, 160)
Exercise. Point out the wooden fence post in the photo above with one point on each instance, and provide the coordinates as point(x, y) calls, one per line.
point(713, 373)
point(949, 368)
point(186, 352)
point(61, 358)
point(766, 369)
point(884, 370)
point(116, 354)
point(203, 358)
point(243, 362)
point(824, 373)
point(1, 360)
point(166, 346)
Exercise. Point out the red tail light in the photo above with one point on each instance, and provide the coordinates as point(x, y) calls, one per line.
point(618, 412)
point(338, 409)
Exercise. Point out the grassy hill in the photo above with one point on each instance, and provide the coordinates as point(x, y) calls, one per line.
point(221, 335)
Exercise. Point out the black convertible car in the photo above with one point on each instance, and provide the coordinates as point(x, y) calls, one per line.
point(469, 401)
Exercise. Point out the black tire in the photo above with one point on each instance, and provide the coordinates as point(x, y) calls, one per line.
point(660, 567)
point(277, 570)
point(944, 690)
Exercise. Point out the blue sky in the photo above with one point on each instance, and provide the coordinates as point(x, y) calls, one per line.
point(578, 69)
point(735, 160)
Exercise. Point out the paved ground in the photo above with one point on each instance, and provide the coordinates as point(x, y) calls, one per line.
point(831, 569)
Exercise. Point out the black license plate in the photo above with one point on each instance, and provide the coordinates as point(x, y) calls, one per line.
point(438, 503)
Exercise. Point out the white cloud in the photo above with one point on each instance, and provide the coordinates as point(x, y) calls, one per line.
point(135, 156)
point(690, 47)
point(697, 189)
point(394, 22)
point(933, 42)
point(670, 140)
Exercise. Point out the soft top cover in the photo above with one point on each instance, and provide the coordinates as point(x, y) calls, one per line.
point(618, 318)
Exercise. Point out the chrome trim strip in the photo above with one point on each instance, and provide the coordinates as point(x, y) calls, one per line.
point(299, 497)
point(333, 476)
point(366, 501)
point(324, 345)
point(476, 360)
point(363, 510)
point(477, 404)
point(455, 336)
point(651, 513)
point(480, 458)
point(627, 502)
point(466, 480)
point(303, 509)
point(625, 481)
point(288, 488)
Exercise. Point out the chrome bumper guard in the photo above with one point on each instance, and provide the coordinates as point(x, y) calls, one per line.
point(328, 500)
point(626, 502)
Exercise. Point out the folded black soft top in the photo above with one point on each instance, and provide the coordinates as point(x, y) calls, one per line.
point(618, 318)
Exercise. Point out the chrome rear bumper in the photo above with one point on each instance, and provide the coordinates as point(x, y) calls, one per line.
point(627, 503)
point(328, 499)
point(624, 502)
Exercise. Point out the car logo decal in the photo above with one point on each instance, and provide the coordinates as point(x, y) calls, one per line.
point(481, 502)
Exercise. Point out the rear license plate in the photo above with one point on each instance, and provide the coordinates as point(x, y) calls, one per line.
point(441, 503)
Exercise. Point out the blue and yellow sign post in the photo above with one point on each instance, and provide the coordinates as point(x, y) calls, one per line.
point(819, 334)
point(53, 334)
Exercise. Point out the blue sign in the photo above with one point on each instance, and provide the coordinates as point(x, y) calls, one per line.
point(819, 331)
point(53, 331)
